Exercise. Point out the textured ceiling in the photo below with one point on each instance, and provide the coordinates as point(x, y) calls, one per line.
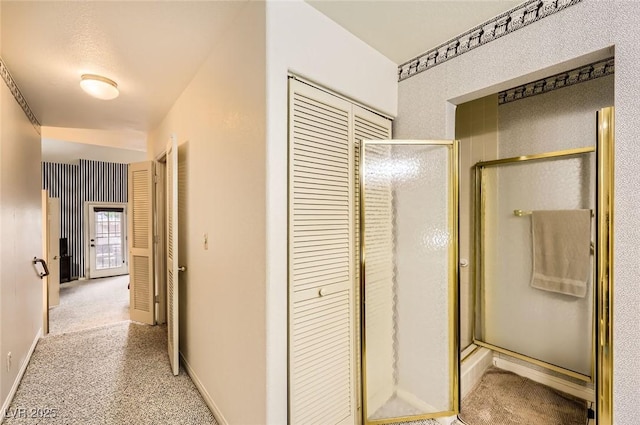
point(403, 29)
point(151, 49)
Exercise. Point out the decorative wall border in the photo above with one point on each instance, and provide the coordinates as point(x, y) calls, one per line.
point(17, 94)
point(564, 79)
point(503, 24)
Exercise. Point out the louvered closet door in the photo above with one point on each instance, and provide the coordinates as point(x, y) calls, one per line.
point(367, 126)
point(321, 262)
point(141, 305)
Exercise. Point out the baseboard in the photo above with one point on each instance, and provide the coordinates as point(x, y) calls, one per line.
point(546, 379)
point(220, 419)
point(16, 383)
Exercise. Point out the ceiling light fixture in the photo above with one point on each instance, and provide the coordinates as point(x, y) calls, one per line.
point(99, 87)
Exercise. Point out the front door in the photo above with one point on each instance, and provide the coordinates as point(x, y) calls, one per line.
point(107, 240)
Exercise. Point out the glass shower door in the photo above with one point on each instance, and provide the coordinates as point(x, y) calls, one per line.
point(409, 260)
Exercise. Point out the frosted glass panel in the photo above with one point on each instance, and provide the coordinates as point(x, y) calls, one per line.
point(548, 326)
point(407, 252)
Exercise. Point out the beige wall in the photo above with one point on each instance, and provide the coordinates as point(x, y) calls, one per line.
point(219, 121)
point(477, 131)
point(20, 238)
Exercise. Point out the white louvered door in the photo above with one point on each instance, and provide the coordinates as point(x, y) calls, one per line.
point(321, 267)
point(172, 255)
point(141, 292)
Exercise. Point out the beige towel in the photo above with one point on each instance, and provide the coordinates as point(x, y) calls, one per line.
point(561, 251)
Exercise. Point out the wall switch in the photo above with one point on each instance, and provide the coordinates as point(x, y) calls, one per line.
point(8, 361)
point(205, 241)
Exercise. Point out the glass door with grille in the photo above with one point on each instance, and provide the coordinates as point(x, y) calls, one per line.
point(107, 241)
point(409, 258)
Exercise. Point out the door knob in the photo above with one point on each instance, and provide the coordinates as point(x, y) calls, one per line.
point(182, 269)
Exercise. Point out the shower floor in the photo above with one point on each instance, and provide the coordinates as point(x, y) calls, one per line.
point(396, 407)
point(504, 398)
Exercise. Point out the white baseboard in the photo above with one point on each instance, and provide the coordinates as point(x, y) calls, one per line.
point(16, 383)
point(203, 392)
point(546, 379)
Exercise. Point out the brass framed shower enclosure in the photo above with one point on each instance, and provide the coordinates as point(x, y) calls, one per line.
point(601, 368)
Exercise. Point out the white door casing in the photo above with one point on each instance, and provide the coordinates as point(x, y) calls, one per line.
point(140, 207)
point(172, 255)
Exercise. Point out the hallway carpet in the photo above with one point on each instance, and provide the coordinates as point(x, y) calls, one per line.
point(86, 304)
point(504, 398)
point(117, 374)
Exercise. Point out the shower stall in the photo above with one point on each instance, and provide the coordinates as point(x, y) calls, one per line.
point(541, 281)
point(551, 323)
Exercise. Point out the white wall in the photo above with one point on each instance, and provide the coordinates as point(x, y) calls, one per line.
point(302, 40)
point(585, 31)
point(20, 238)
point(220, 121)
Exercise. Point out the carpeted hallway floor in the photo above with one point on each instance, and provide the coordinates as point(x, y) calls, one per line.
point(86, 304)
point(115, 374)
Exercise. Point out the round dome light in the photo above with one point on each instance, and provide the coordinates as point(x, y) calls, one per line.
point(99, 87)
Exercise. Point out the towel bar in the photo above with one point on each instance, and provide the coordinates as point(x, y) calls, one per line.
point(522, 213)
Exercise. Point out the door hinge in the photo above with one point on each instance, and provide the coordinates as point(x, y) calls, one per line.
point(156, 299)
point(155, 179)
point(155, 238)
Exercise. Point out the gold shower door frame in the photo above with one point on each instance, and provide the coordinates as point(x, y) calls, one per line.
point(602, 335)
point(453, 280)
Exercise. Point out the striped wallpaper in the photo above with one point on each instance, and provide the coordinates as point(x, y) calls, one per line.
point(93, 181)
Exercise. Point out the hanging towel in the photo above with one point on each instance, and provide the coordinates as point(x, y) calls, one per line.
point(561, 251)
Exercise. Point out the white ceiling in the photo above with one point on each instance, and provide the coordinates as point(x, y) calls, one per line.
point(404, 29)
point(152, 49)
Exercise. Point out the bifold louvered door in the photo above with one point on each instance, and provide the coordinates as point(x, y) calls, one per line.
point(141, 304)
point(324, 132)
point(321, 268)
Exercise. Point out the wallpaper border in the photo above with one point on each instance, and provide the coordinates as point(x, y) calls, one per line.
point(17, 94)
point(582, 74)
point(503, 24)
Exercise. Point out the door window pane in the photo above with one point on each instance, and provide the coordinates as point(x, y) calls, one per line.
point(108, 240)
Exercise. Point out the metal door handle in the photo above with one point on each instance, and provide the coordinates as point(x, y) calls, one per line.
point(182, 269)
point(44, 267)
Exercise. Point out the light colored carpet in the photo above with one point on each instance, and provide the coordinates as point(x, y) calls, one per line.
point(117, 374)
point(86, 304)
point(504, 398)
